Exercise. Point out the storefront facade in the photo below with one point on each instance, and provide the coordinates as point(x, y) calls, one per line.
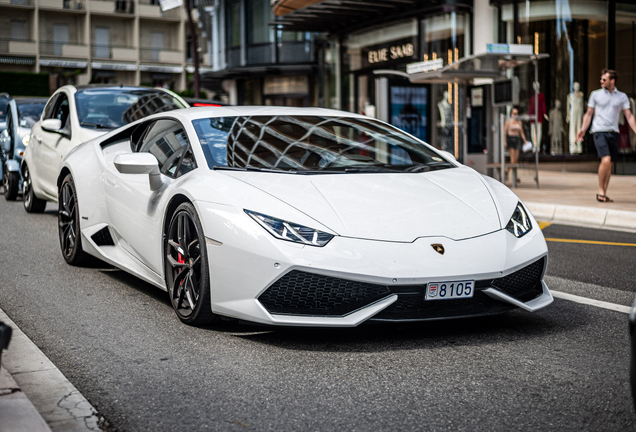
point(362, 69)
point(582, 38)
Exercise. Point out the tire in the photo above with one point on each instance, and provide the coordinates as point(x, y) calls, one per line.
point(32, 204)
point(10, 183)
point(69, 224)
point(186, 264)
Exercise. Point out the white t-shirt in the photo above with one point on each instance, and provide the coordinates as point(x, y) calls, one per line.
point(607, 107)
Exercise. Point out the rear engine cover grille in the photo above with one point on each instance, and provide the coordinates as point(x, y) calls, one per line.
point(301, 293)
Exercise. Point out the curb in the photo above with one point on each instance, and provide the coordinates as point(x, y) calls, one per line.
point(48, 395)
point(17, 413)
point(587, 216)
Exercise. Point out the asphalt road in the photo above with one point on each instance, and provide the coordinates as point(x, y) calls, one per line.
point(119, 342)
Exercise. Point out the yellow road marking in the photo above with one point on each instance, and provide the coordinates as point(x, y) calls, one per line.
point(543, 225)
point(588, 242)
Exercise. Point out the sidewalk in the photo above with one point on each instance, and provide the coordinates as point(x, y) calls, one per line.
point(570, 198)
point(43, 400)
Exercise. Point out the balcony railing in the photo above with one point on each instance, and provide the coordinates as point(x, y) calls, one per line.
point(151, 8)
point(114, 52)
point(160, 55)
point(18, 2)
point(110, 6)
point(74, 5)
point(295, 52)
point(262, 54)
point(68, 49)
point(17, 46)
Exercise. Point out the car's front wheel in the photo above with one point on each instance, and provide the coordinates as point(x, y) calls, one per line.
point(32, 204)
point(187, 276)
point(10, 182)
point(69, 224)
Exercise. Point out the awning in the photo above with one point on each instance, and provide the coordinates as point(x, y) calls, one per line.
point(347, 16)
point(469, 70)
point(29, 61)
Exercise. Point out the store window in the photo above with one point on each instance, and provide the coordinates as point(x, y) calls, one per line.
point(575, 35)
point(446, 37)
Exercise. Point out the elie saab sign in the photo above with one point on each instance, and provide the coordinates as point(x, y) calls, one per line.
point(389, 52)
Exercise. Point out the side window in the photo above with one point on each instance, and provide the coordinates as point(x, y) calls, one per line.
point(62, 110)
point(50, 107)
point(168, 142)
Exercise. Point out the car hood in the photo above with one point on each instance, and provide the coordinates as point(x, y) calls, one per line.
point(454, 203)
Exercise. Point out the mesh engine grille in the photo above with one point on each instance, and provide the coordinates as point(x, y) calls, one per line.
point(524, 284)
point(301, 293)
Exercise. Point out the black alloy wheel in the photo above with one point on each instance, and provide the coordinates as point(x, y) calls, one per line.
point(32, 204)
point(187, 277)
point(69, 224)
point(10, 182)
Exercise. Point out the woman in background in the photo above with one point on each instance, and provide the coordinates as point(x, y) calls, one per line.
point(514, 137)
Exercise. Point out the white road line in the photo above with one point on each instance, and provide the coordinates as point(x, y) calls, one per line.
point(587, 301)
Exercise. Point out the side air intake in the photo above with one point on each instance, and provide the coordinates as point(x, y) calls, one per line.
point(103, 238)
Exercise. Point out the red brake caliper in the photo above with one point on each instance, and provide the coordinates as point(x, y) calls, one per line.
point(180, 260)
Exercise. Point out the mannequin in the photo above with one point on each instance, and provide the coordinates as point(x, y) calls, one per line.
point(556, 130)
point(445, 123)
point(541, 114)
point(445, 111)
point(575, 117)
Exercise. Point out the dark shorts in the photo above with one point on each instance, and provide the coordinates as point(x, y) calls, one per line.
point(606, 144)
point(514, 142)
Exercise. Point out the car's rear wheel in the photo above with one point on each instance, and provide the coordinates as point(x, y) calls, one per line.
point(187, 277)
point(32, 204)
point(10, 182)
point(69, 224)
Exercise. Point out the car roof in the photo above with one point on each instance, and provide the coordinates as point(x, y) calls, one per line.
point(233, 111)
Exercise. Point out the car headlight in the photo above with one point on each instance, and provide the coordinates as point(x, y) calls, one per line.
point(290, 231)
point(25, 140)
point(519, 223)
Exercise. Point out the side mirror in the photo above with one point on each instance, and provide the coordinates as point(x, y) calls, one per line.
point(52, 125)
point(140, 163)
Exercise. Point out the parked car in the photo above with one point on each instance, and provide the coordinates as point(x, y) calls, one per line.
point(22, 114)
point(299, 216)
point(199, 102)
point(4, 101)
point(75, 114)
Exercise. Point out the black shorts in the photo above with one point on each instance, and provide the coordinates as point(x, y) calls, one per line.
point(514, 142)
point(606, 144)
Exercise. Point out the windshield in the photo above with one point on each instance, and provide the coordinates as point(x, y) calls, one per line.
point(29, 113)
point(312, 144)
point(110, 108)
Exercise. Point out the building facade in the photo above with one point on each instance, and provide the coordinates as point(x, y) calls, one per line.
point(254, 61)
point(368, 41)
point(130, 42)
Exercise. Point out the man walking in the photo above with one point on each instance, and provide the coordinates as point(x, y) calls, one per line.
point(605, 106)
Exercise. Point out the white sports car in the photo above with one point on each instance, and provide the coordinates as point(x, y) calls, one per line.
point(299, 216)
point(75, 114)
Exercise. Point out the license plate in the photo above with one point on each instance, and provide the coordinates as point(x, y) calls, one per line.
point(449, 290)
